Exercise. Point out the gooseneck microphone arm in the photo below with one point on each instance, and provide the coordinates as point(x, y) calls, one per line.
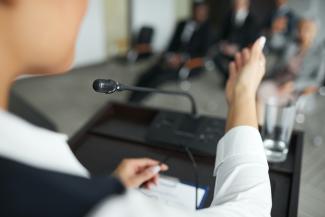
point(110, 86)
point(122, 87)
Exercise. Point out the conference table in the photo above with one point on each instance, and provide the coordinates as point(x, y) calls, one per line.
point(118, 131)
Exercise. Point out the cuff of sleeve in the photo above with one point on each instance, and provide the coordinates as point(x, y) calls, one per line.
point(240, 141)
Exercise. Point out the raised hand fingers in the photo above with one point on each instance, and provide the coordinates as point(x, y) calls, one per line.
point(246, 55)
point(257, 49)
point(242, 58)
point(239, 61)
point(232, 70)
point(263, 60)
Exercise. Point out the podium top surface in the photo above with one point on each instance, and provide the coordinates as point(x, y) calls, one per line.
point(118, 131)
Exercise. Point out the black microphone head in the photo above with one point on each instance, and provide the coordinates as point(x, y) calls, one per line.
point(105, 86)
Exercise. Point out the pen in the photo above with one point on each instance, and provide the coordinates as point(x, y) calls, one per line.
point(156, 169)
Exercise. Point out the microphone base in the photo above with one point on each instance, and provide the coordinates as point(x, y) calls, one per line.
point(177, 130)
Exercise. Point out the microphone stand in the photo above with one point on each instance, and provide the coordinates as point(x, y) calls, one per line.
point(121, 87)
point(173, 129)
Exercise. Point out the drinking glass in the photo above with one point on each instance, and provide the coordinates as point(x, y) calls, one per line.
point(279, 121)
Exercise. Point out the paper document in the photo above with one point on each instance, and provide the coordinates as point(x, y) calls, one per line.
point(174, 193)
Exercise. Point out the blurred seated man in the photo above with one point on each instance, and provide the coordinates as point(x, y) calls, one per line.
point(142, 45)
point(239, 30)
point(301, 70)
point(282, 10)
point(277, 42)
point(188, 47)
point(280, 29)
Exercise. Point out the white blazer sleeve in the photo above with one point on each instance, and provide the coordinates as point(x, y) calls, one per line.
point(242, 185)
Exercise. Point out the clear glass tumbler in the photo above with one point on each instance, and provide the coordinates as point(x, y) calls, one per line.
point(279, 121)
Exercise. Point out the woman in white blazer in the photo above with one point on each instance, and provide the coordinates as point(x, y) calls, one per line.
point(39, 37)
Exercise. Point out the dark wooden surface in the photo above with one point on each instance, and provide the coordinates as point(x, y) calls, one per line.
point(124, 130)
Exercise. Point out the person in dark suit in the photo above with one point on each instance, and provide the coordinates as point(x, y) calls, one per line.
point(239, 30)
point(280, 29)
point(188, 47)
point(142, 45)
point(289, 21)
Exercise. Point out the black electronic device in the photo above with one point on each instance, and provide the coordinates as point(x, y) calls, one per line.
point(174, 130)
point(200, 134)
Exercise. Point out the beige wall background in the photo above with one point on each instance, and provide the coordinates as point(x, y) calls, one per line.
point(183, 8)
point(117, 21)
point(117, 26)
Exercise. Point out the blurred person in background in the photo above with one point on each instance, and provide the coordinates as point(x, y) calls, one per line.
point(301, 69)
point(239, 30)
point(277, 43)
point(283, 18)
point(142, 45)
point(280, 29)
point(188, 48)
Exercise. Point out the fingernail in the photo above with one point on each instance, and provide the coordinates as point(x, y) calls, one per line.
point(262, 41)
point(151, 186)
point(154, 170)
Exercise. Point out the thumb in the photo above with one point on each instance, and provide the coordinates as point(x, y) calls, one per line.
point(258, 47)
point(144, 176)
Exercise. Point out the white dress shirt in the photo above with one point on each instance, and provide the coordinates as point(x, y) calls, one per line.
point(188, 31)
point(242, 182)
point(240, 17)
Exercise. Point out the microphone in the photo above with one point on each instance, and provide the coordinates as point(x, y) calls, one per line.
point(105, 86)
point(108, 86)
point(175, 130)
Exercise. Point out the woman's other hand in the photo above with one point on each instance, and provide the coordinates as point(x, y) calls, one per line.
point(134, 173)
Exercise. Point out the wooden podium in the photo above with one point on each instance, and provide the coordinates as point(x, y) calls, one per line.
point(118, 131)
